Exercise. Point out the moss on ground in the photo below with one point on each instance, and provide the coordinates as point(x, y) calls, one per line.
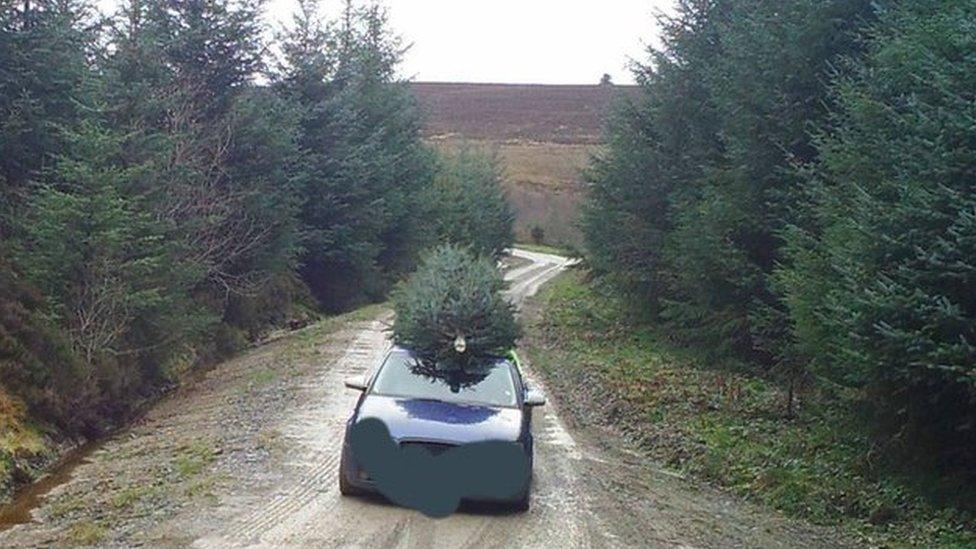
point(20, 440)
point(17, 436)
point(720, 423)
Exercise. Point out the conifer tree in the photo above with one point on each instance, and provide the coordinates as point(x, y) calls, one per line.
point(224, 151)
point(468, 206)
point(883, 288)
point(365, 166)
point(454, 308)
point(43, 70)
point(103, 266)
point(688, 202)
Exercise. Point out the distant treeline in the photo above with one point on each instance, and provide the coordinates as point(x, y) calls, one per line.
point(796, 189)
point(173, 186)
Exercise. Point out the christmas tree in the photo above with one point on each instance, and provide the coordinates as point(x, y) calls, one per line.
point(453, 309)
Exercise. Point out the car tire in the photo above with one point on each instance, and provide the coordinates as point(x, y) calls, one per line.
point(522, 504)
point(345, 488)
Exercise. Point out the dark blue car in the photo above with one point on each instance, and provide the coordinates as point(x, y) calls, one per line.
point(436, 409)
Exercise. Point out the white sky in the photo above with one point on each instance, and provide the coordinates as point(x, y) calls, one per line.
point(513, 41)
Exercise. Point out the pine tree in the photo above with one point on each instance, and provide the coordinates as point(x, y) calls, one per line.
point(468, 206)
point(214, 50)
point(103, 266)
point(882, 287)
point(688, 203)
point(45, 86)
point(659, 144)
point(43, 68)
point(455, 297)
point(365, 165)
point(225, 153)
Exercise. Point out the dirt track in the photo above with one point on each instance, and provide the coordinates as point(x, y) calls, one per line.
point(248, 457)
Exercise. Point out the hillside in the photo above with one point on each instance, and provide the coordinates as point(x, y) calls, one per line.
point(543, 135)
point(514, 112)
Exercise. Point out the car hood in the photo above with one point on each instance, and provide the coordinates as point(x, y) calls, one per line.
point(446, 422)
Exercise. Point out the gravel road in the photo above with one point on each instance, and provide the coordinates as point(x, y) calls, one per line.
point(248, 457)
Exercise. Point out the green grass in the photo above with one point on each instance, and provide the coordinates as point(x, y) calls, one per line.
point(263, 378)
point(194, 458)
point(203, 488)
point(366, 312)
point(19, 437)
point(304, 343)
point(67, 506)
point(728, 427)
point(85, 532)
point(132, 495)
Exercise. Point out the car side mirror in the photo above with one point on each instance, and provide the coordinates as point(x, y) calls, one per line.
point(535, 397)
point(356, 383)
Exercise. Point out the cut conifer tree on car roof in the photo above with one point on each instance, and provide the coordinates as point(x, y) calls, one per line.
point(453, 308)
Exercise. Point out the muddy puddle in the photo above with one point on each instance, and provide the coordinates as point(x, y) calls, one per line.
point(29, 497)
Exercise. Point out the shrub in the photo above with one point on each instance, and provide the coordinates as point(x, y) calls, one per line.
point(538, 235)
point(36, 362)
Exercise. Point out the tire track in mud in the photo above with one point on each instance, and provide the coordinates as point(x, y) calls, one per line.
point(314, 453)
point(526, 281)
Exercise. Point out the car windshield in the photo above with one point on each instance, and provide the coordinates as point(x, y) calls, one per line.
point(487, 382)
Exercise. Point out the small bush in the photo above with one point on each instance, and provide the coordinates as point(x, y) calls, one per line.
point(538, 235)
point(37, 366)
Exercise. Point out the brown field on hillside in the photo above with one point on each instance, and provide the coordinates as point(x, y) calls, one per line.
point(551, 165)
point(543, 183)
point(544, 136)
point(554, 212)
point(510, 112)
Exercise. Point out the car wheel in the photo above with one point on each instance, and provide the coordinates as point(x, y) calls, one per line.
point(521, 505)
point(345, 488)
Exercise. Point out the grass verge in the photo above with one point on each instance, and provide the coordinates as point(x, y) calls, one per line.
point(727, 427)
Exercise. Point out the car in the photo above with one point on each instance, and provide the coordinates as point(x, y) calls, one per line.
point(424, 405)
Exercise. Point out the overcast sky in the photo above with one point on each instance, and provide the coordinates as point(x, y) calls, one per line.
point(514, 41)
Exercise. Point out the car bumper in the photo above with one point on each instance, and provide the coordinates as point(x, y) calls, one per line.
point(354, 475)
point(359, 479)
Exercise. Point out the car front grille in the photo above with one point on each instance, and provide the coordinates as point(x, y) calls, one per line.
point(433, 448)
